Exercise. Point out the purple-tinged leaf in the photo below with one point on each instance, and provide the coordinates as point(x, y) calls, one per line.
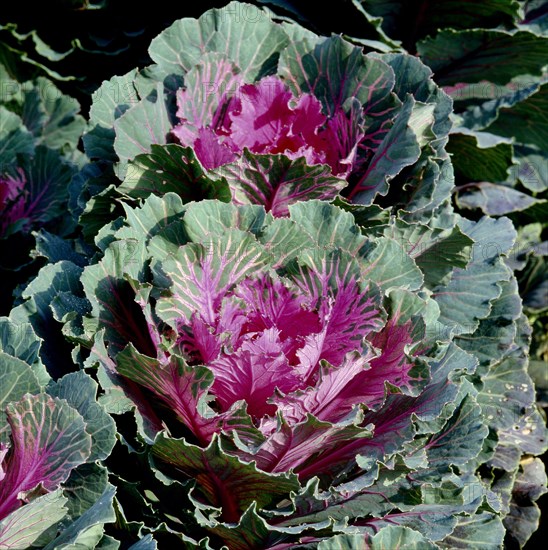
point(202, 275)
point(254, 372)
point(276, 181)
point(210, 151)
point(291, 447)
point(222, 480)
point(182, 389)
point(35, 192)
point(171, 168)
point(211, 88)
point(20, 529)
point(48, 441)
point(393, 421)
point(334, 70)
point(265, 120)
point(399, 148)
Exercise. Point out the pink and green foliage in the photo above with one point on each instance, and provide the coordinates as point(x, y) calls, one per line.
point(12, 200)
point(303, 360)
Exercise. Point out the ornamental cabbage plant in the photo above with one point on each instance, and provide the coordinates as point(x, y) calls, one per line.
point(39, 131)
point(301, 380)
point(223, 106)
point(52, 435)
point(302, 343)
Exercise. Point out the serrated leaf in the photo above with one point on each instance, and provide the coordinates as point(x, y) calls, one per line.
point(201, 275)
point(100, 513)
point(399, 148)
point(483, 530)
point(242, 32)
point(461, 439)
point(473, 55)
point(51, 116)
point(110, 101)
point(23, 526)
point(16, 379)
point(467, 297)
point(387, 264)
point(435, 251)
point(20, 341)
point(275, 181)
point(14, 137)
point(496, 200)
point(223, 480)
point(334, 70)
point(80, 390)
point(171, 168)
point(49, 440)
point(52, 279)
point(392, 537)
point(84, 487)
point(141, 126)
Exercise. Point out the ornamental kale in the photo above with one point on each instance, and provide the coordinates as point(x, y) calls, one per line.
point(227, 114)
point(303, 345)
point(39, 132)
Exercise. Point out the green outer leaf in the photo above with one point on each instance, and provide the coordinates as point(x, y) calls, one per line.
point(408, 20)
point(416, 78)
point(495, 335)
point(242, 32)
point(388, 265)
point(473, 55)
point(467, 297)
point(478, 117)
point(524, 516)
point(171, 168)
point(110, 101)
point(84, 487)
point(396, 537)
point(155, 215)
point(532, 172)
point(496, 200)
point(142, 125)
point(100, 513)
point(79, 390)
point(483, 530)
point(210, 219)
point(16, 379)
point(328, 226)
point(52, 116)
point(52, 279)
point(14, 138)
point(19, 340)
point(526, 121)
point(461, 439)
point(23, 526)
point(475, 162)
point(435, 251)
